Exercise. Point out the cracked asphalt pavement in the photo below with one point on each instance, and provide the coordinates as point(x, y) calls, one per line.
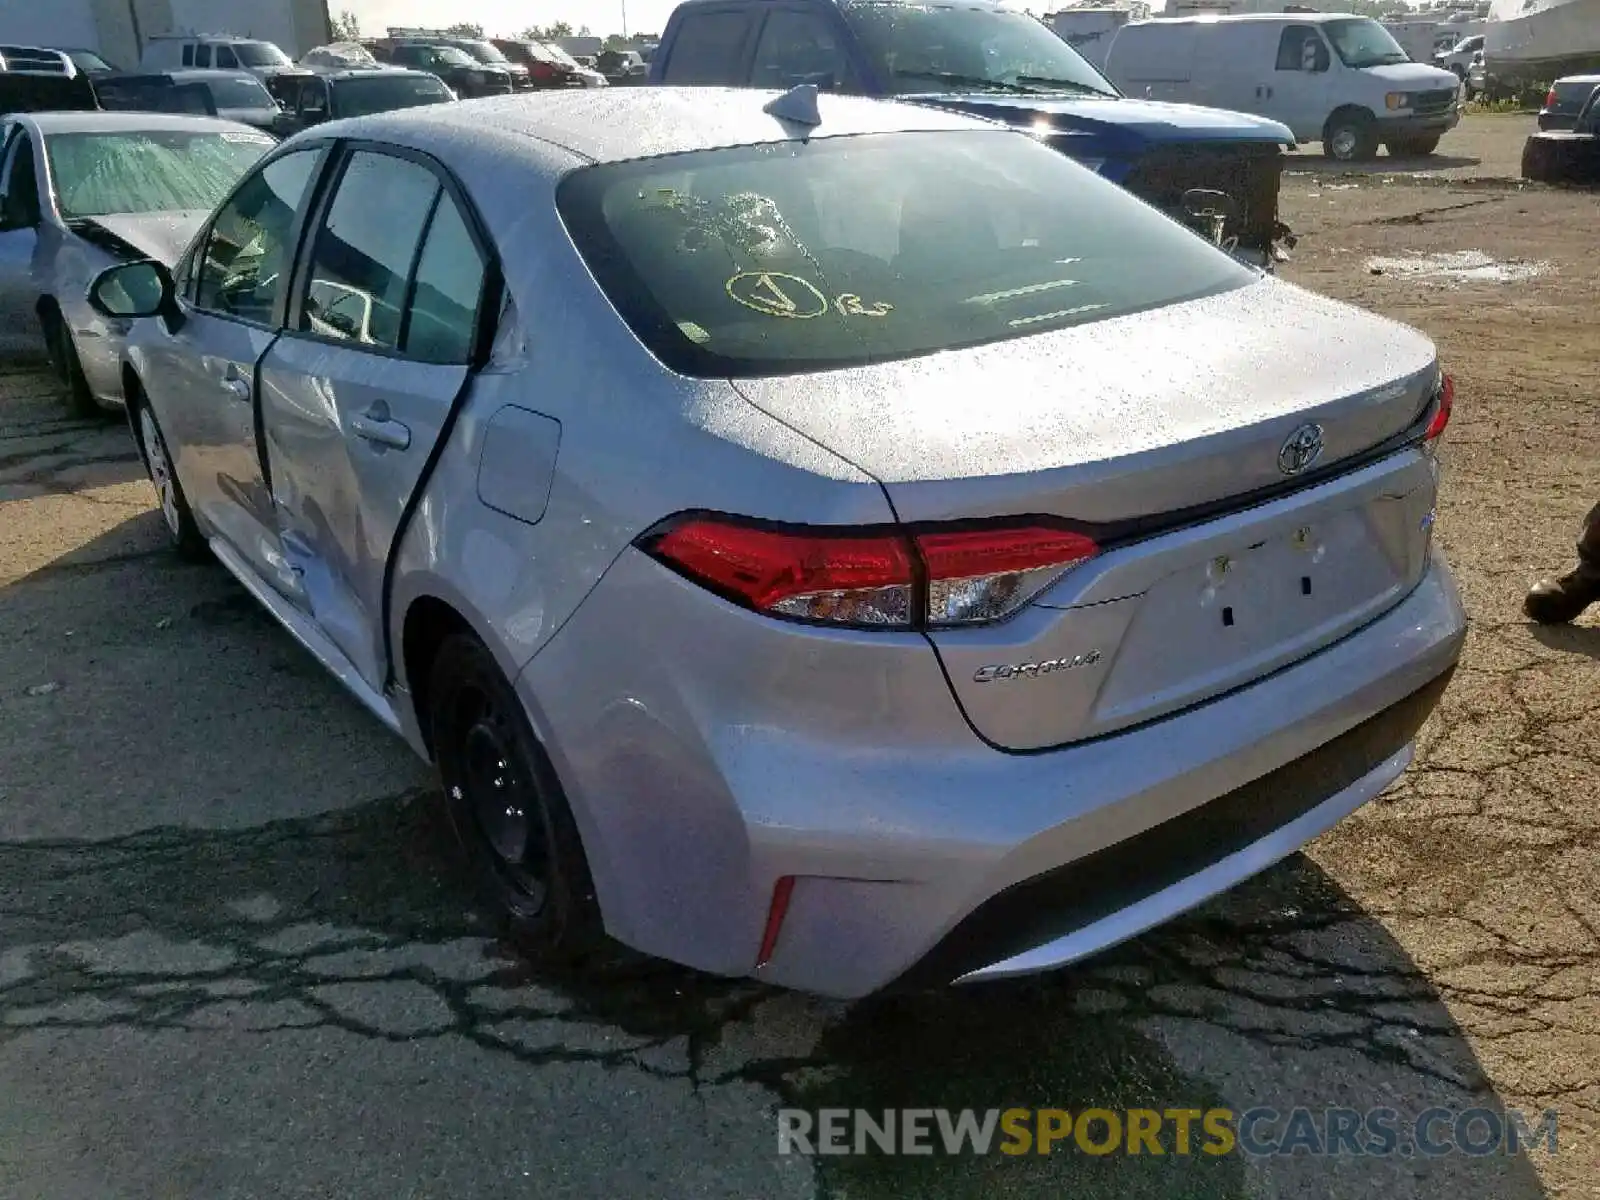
point(239, 956)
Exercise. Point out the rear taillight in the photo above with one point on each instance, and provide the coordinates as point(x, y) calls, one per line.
point(881, 578)
point(541, 72)
point(1444, 403)
point(1550, 98)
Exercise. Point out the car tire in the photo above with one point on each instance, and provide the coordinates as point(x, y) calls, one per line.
point(1412, 147)
point(508, 808)
point(1351, 135)
point(1561, 158)
point(175, 512)
point(69, 369)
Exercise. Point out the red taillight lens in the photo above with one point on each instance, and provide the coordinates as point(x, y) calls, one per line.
point(812, 575)
point(1441, 413)
point(985, 574)
point(1550, 98)
point(894, 579)
point(543, 72)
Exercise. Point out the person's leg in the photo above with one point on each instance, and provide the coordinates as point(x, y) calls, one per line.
point(1557, 601)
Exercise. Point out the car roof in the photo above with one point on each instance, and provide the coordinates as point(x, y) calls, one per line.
point(114, 122)
point(617, 124)
point(1294, 18)
point(1586, 77)
point(190, 74)
point(379, 72)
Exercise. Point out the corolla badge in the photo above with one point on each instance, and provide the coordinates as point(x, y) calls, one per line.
point(1032, 670)
point(1302, 449)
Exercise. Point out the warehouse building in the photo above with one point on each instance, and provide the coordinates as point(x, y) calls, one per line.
point(119, 29)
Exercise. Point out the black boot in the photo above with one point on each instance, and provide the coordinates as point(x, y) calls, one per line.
point(1558, 601)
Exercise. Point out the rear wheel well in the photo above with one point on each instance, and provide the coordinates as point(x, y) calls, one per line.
point(429, 623)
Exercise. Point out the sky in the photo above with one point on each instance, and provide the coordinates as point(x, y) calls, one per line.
point(508, 17)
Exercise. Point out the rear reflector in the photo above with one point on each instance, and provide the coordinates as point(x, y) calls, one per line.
point(1442, 410)
point(776, 912)
point(891, 578)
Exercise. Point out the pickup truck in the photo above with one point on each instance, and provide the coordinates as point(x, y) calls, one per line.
point(988, 59)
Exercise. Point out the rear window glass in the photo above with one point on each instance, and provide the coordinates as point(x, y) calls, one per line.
point(362, 97)
point(795, 256)
point(707, 49)
point(239, 93)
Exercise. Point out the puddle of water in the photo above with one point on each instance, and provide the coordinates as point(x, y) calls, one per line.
point(1458, 266)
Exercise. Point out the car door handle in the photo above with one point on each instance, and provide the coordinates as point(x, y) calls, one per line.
point(381, 431)
point(238, 388)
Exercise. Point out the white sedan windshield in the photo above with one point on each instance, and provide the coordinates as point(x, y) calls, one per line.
point(145, 171)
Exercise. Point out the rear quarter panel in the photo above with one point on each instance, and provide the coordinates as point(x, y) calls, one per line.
point(635, 444)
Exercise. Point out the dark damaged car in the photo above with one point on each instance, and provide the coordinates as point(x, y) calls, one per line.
point(83, 191)
point(1218, 171)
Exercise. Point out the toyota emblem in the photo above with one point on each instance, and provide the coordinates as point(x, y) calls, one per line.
point(1302, 449)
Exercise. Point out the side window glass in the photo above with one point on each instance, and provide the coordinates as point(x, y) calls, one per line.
point(247, 251)
point(708, 49)
point(225, 57)
point(363, 254)
point(202, 55)
point(795, 48)
point(1300, 49)
point(22, 187)
point(188, 56)
point(443, 319)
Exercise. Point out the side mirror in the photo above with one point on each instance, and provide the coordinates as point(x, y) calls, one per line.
point(135, 289)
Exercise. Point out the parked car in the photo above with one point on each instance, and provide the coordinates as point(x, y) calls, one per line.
point(81, 191)
point(480, 50)
point(1565, 100)
point(1331, 78)
point(35, 79)
point(1477, 76)
point(169, 52)
point(334, 95)
point(338, 56)
point(988, 59)
point(234, 95)
point(465, 75)
point(968, 569)
point(1569, 155)
point(623, 67)
point(1458, 58)
point(90, 62)
point(549, 66)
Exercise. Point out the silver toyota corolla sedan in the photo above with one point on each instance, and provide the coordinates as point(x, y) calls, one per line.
point(834, 541)
point(80, 191)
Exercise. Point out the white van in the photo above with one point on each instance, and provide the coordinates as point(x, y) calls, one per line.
point(1332, 78)
point(172, 52)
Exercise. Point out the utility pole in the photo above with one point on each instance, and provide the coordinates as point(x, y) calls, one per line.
point(624, 18)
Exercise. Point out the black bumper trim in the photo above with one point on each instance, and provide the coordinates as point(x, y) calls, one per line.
point(1040, 910)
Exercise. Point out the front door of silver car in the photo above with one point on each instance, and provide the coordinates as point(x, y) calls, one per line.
point(206, 363)
point(20, 217)
point(358, 390)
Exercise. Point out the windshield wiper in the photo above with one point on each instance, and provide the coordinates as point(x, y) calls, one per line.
point(1043, 83)
point(967, 81)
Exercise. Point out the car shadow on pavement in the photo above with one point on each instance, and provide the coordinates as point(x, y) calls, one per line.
point(1569, 639)
point(1309, 162)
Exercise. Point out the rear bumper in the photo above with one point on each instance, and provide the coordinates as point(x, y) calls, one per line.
point(702, 770)
point(1106, 897)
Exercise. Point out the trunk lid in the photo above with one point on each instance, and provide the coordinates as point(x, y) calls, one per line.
point(1164, 431)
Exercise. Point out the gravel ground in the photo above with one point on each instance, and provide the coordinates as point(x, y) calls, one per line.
point(238, 958)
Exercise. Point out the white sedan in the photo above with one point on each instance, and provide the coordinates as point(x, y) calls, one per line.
point(82, 191)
